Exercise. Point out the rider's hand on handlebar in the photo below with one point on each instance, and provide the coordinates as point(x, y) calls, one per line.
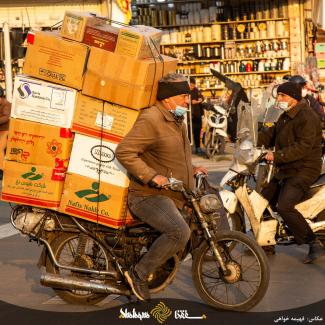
point(160, 181)
point(269, 156)
point(198, 170)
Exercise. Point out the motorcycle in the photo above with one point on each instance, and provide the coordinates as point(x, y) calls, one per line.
point(240, 199)
point(221, 117)
point(85, 262)
point(216, 131)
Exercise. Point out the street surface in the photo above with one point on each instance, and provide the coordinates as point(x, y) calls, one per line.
point(292, 283)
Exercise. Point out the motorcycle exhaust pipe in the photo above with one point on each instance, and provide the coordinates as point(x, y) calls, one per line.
point(69, 283)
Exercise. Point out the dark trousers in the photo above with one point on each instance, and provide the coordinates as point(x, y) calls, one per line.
point(287, 193)
point(197, 126)
point(160, 213)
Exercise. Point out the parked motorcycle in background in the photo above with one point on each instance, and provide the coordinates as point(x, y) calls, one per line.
point(216, 130)
point(222, 116)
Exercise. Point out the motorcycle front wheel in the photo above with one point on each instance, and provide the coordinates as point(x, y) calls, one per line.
point(247, 278)
point(94, 256)
point(215, 146)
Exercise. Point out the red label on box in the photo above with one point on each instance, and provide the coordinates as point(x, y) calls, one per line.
point(65, 133)
point(100, 38)
point(30, 38)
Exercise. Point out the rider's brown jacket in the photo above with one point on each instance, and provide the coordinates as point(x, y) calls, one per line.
point(156, 145)
point(297, 138)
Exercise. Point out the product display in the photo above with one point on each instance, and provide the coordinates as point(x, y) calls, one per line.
point(251, 37)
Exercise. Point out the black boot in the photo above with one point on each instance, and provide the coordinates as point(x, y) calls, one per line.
point(138, 286)
point(316, 250)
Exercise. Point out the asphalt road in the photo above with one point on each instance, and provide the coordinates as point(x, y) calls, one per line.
point(292, 283)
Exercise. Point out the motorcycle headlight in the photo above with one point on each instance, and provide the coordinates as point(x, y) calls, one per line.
point(209, 203)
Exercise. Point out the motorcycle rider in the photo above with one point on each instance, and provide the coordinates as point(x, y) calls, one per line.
point(297, 139)
point(157, 147)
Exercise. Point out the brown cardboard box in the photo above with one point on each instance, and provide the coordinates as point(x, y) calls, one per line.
point(139, 42)
point(88, 199)
point(55, 59)
point(100, 119)
point(34, 185)
point(44, 102)
point(75, 23)
point(39, 144)
point(123, 80)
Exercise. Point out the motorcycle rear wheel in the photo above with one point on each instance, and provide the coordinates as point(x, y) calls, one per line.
point(64, 249)
point(248, 277)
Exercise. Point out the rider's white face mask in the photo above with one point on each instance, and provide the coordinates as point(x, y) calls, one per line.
point(283, 105)
point(304, 92)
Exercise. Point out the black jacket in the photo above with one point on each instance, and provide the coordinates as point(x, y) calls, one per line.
point(297, 139)
point(197, 109)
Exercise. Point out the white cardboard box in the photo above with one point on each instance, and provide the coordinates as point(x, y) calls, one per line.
point(95, 158)
point(40, 101)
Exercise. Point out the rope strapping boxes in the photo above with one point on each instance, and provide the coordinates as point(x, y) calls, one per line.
point(77, 99)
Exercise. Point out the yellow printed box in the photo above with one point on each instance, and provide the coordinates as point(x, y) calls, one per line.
point(39, 144)
point(95, 201)
point(100, 119)
point(33, 185)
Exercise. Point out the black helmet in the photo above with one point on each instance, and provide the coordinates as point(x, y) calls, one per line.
point(298, 80)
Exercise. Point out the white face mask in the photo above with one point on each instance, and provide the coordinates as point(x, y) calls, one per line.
point(180, 110)
point(304, 92)
point(283, 105)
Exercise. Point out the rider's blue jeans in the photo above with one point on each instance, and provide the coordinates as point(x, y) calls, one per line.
point(160, 213)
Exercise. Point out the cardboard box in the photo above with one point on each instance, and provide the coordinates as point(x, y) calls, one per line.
point(93, 201)
point(139, 42)
point(56, 59)
point(44, 102)
point(95, 158)
point(100, 119)
point(123, 80)
point(89, 29)
point(39, 144)
point(34, 185)
point(74, 24)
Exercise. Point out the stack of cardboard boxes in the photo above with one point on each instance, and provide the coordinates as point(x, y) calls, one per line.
point(80, 94)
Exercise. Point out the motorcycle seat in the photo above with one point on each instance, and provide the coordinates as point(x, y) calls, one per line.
point(319, 182)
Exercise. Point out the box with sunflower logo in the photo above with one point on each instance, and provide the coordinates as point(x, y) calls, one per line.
point(95, 201)
point(34, 185)
point(39, 144)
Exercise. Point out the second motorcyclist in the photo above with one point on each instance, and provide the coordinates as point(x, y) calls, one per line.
point(297, 140)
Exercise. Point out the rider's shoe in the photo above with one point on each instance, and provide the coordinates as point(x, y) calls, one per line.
point(139, 287)
point(316, 250)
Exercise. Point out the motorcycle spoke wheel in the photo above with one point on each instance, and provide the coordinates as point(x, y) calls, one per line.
point(93, 257)
point(248, 272)
point(215, 146)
